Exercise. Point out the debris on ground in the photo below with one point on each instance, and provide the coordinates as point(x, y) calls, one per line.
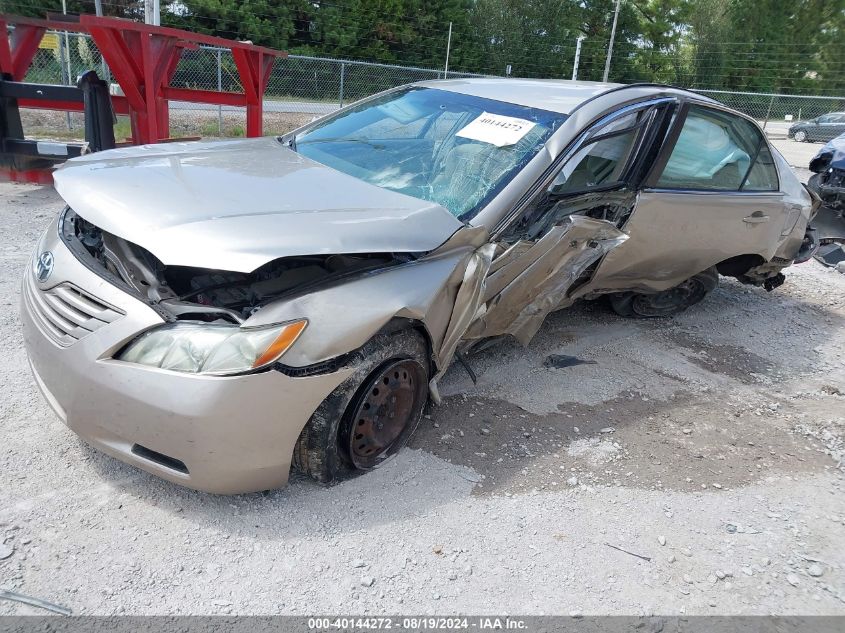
point(561, 361)
point(541, 468)
point(34, 602)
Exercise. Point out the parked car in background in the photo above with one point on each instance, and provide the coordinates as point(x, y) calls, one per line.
point(214, 312)
point(822, 128)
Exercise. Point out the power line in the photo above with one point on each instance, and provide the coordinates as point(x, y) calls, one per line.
point(544, 54)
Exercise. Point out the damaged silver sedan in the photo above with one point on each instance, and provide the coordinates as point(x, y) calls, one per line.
point(216, 313)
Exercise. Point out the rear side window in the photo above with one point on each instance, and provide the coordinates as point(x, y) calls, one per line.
point(719, 151)
point(763, 175)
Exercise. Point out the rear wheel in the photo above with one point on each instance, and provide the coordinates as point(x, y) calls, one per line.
point(668, 302)
point(800, 136)
point(372, 414)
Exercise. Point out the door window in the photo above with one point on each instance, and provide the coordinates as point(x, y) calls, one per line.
point(595, 165)
point(719, 151)
point(603, 162)
point(600, 163)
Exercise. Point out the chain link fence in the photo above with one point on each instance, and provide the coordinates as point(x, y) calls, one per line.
point(302, 88)
point(776, 112)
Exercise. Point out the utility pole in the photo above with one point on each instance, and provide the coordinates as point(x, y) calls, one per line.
point(448, 48)
point(610, 46)
point(98, 7)
point(577, 57)
point(64, 53)
point(152, 12)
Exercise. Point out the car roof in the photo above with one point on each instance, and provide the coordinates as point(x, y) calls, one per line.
point(556, 95)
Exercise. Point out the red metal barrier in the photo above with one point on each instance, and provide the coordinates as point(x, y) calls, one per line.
point(143, 59)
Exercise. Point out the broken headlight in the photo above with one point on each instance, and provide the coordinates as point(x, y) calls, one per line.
point(202, 348)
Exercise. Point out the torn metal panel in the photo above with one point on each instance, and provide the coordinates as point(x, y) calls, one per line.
point(830, 224)
point(536, 282)
point(830, 229)
point(467, 302)
point(515, 291)
point(344, 316)
point(474, 236)
point(831, 155)
point(506, 253)
point(550, 209)
point(831, 254)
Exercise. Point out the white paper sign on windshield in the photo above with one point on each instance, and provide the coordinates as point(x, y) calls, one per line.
point(496, 129)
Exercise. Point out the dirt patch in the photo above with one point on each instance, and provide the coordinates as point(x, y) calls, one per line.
point(729, 360)
point(682, 444)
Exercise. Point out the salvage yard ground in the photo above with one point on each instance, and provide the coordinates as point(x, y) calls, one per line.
point(710, 446)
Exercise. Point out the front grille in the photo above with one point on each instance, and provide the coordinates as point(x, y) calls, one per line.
point(65, 313)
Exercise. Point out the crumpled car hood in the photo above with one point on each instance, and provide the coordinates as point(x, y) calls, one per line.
point(831, 155)
point(236, 205)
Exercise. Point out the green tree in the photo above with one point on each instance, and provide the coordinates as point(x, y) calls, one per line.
point(740, 45)
point(768, 45)
point(264, 22)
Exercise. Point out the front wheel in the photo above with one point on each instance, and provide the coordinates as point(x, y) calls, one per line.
point(668, 302)
point(372, 414)
point(801, 136)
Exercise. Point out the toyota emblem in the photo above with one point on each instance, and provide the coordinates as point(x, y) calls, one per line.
point(44, 266)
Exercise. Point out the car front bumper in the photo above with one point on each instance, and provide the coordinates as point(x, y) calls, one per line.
point(217, 434)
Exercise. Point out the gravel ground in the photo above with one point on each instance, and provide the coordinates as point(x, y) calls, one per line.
point(708, 447)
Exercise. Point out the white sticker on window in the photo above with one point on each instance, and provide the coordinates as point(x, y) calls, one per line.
point(496, 129)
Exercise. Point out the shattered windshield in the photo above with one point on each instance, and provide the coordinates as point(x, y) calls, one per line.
point(452, 149)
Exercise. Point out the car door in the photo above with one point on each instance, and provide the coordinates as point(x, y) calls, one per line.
point(712, 195)
point(827, 127)
point(568, 221)
point(593, 175)
point(835, 127)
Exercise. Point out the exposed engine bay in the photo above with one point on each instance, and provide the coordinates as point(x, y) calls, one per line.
point(182, 292)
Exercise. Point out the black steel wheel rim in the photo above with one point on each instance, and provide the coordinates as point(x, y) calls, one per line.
point(388, 405)
point(669, 301)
